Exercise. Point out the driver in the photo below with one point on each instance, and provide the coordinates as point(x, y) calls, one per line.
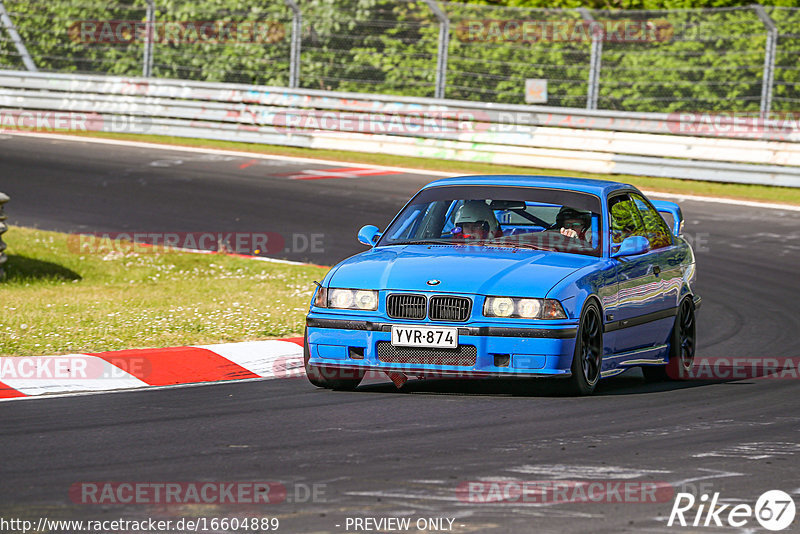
point(475, 220)
point(574, 223)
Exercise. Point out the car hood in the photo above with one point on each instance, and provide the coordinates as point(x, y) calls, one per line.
point(479, 270)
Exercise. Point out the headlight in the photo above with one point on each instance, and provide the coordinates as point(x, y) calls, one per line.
point(499, 307)
point(346, 299)
point(340, 298)
point(529, 308)
point(523, 308)
point(366, 300)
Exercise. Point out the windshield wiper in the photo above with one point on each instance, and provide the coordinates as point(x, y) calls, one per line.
point(423, 242)
point(529, 245)
point(510, 245)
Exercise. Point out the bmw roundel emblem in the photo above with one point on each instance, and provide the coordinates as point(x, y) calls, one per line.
point(434, 282)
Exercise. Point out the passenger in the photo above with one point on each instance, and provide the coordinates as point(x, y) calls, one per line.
point(476, 220)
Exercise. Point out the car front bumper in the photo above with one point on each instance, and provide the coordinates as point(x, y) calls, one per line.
point(522, 351)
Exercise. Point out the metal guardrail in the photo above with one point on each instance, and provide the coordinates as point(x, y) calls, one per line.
point(720, 149)
point(620, 121)
point(3, 199)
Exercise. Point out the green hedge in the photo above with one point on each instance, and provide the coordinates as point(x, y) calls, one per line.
point(704, 60)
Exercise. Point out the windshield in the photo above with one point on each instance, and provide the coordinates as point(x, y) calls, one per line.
point(514, 217)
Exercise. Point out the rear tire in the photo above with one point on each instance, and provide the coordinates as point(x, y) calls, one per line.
point(681, 347)
point(588, 357)
point(330, 377)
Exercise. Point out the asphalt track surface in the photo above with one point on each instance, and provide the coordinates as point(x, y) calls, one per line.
point(377, 452)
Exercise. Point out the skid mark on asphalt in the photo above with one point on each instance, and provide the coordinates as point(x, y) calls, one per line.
point(753, 450)
point(204, 158)
point(657, 432)
point(421, 498)
point(713, 473)
point(557, 472)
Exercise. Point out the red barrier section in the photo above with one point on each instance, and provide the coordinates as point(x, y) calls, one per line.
point(298, 340)
point(8, 393)
point(178, 365)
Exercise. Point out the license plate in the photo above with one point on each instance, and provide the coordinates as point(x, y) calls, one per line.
point(424, 336)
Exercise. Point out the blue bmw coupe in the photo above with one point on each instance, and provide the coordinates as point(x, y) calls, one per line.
point(511, 276)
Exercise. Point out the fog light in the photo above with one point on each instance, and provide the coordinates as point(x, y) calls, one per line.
point(502, 360)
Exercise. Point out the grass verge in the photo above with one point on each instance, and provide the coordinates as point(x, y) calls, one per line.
point(786, 195)
point(57, 301)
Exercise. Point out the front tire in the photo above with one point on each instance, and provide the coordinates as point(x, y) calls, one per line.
point(588, 357)
point(681, 347)
point(329, 377)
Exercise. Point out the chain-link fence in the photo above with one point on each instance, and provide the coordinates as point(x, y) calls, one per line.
point(741, 59)
point(786, 94)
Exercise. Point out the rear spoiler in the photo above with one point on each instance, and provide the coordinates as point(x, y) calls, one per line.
point(662, 206)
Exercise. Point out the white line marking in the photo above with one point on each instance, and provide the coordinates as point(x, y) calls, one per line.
point(246, 256)
point(753, 451)
point(561, 471)
point(256, 155)
point(267, 359)
point(718, 200)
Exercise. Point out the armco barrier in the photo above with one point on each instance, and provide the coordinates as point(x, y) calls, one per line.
point(3, 199)
point(725, 149)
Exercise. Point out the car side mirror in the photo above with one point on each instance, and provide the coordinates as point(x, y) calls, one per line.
point(674, 212)
point(368, 235)
point(631, 246)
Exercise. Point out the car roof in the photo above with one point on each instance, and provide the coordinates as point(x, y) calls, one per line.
point(600, 188)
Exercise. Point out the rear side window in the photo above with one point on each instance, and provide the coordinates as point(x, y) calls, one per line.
point(625, 219)
point(657, 232)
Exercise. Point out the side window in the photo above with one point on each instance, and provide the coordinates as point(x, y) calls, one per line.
point(407, 224)
point(657, 232)
point(449, 225)
point(625, 219)
point(432, 221)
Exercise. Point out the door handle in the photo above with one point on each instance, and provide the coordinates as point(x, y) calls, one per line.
point(656, 270)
